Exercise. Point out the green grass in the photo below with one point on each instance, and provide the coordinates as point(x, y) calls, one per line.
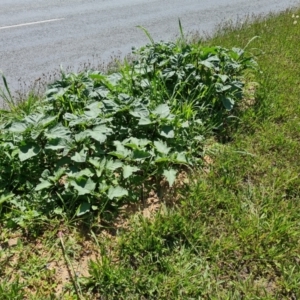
point(233, 234)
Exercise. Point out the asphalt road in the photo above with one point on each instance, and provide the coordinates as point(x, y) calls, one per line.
point(37, 36)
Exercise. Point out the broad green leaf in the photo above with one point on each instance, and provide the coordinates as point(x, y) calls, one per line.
point(97, 136)
point(29, 150)
point(185, 124)
point(99, 133)
point(18, 127)
point(162, 110)
point(119, 155)
point(145, 121)
point(95, 161)
point(140, 154)
point(167, 131)
point(145, 83)
point(162, 159)
point(116, 192)
point(124, 97)
point(129, 170)
point(140, 111)
point(80, 120)
point(170, 176)
point(113, 165)
point(59, 131)
point(121, 152)
point(162, 147)
point(109, 106)
point(207, 64)
point(58, 211)
point(114, 78)
point(181, 158)
point(220, 88)
point(34, 118)
point(102, 91)
point(45, 122)
point(45, 174)
point(132, 143)
point(6, 197)
point(81, 136)
point(56, 144)
point(213, 58)
point(59, 172)
point(79, 157)
point(83, 186)
point(102, 129)
point(85, 172)
point(144, 142)
point(43, 185)
point(224, 78)
point(70, 117)
point(228, 103)
point(83, 208)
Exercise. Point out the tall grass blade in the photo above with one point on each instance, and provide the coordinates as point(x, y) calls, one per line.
point(254, 38)
point(6, 95)
point(147, 33)
point(181, 32)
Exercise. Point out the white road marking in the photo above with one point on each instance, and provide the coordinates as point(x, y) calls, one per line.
point(31, 23)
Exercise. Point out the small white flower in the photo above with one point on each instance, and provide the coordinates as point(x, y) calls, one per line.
point(297, 16)
point(295, 22)
point(293, 16)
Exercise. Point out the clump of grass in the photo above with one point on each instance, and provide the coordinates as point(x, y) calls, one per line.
point(235, 235)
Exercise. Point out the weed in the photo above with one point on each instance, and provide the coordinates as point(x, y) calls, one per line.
point(96, 140)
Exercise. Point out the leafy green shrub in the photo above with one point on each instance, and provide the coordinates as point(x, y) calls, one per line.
point(97, 139)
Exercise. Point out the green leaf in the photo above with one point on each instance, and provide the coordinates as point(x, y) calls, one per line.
point(95, 161)
point(207, 64)
point(181, 158)
point(113, 165)
point(56, 144)
point(18, 127)
point(97, 136)
point(46, 121)
point(220, 88)
point(81, 136)
point(34, 118)
point(83, 208)
point(59, 131)
point(162, 147)
point(162, 110)
point(43, 185)
point(83, 186)
point(116, 192)
point(129, 170)
point(224, 78)
point(6, 197)
point(162, 159)
point(140, 154)
point(170, 176)
point(119, 155)
point(29, 150)
point(79, 157)
point(228, 103)
point(85, 172)
point(167, 131)
point(121, 152)
point(140, 111)
point(145, 121)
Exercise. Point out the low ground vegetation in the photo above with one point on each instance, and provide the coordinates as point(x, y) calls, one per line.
point(217, 125)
